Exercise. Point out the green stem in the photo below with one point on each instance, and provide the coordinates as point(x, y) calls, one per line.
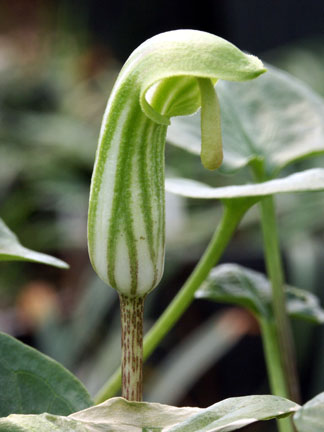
point(273, 362)
point(273, 357)
point(233, 213)
point(282, 323)
point(132, 346)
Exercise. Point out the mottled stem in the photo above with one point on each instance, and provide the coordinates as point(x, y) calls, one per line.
point(132, 346)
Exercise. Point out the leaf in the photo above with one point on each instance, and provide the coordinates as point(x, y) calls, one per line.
point(32, 383)
point(42, 423)
point(232, 283)
point(304, 305)
point(234, 413)
point(310, 417)
point(276, 119)
point(119, 415)
point(308, 180)
point(12, 250)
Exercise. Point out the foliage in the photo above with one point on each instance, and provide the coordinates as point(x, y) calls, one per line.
point(231, 283)
point(308, 180)
point(119, 415)
point(34, 383)
point(12, 250)
point(311, 416)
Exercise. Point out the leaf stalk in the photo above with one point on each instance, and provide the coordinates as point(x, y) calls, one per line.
point(276, 374)
point(286, 370)
point(275, 272)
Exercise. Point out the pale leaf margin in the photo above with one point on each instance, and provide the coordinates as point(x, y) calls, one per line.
point(12, 250)
point(308, 180)
point(310, 418)
point(235, 284)
point(119, 415)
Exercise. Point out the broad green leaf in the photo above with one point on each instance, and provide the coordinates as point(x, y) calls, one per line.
point(276, 119)
point(43, 423)
point(119, 415)
point(12, 250)
point(310, 417)
point(32, 383)
point(232, 283)
point(309, 180)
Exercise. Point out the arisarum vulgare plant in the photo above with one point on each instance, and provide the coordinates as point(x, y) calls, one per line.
point(169, 75)
point(172, 74)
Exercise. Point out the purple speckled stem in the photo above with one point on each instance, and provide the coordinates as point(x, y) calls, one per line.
point(132, 346)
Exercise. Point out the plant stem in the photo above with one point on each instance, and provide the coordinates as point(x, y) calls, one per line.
point(273, 361)
point(273, 357)
point(282, 325)
point(233, 213)
point(132, 346)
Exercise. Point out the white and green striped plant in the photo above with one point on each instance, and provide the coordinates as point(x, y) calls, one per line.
point(174, 74)
point(263, 130)
point(169, 75)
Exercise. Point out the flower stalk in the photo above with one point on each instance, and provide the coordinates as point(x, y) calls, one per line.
point(132, 347)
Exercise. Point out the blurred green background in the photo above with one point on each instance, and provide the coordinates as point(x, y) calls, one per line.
point(58, 62)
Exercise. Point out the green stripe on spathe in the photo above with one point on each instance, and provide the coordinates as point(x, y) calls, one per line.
point(126, 210)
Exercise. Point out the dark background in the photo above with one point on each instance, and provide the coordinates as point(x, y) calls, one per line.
point(253, 25)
